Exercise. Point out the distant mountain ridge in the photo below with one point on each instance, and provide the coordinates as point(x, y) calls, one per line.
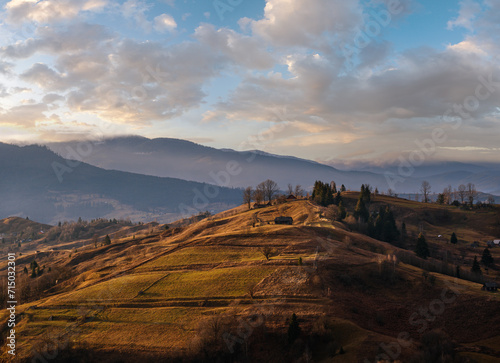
point(187, 160)
point(36, 182)
point(183, 159)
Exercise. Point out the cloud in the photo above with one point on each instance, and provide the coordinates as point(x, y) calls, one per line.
point(304, 23)
point(48, 11)
point(25, 116)
point(165, 23)
point(469, 9)
point(136, 10)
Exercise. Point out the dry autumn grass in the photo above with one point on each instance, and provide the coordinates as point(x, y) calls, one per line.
point(149, 294)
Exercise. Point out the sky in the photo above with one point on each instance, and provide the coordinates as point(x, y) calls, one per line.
point(335, 81)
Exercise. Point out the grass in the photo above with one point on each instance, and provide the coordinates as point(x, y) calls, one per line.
point(204, 255)
point(227, 282)
point(123, 287)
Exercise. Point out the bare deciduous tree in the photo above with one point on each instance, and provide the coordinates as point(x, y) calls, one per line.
point(268, 252)
point(258, 196)
point(299, 192)
point(290, 189)
point(270, 189)
point(471, 193)
point(462, 192)
point(425, 188)
point(247, 196)
point(447, 193)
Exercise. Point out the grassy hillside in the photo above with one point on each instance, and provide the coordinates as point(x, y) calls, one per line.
point(205, 291)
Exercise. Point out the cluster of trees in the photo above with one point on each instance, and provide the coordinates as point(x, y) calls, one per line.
point(327, 194)
point(465, 194)
point(267, 191)
point(382, 226)
point(70, 231)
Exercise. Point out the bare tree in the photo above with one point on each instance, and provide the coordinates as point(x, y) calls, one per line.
point(270, 189)
point(290, 189)
point(471, 193)
point(462, 192)
point(268, 252)
point(491, 200)
point(425, 188)
point(447, 193)
point(299, 192)
point(261, 189)
point(258, 195)
point(247, 196)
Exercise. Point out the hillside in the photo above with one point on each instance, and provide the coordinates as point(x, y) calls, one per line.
point(205, 290)
point(37, 183)
point(15, 225)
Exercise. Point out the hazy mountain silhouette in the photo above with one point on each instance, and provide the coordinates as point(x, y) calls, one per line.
point(36, 182)
point(187, 160)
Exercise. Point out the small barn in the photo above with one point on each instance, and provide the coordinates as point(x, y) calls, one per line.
point(490, 286)
point(283, 220)
point(291, 197)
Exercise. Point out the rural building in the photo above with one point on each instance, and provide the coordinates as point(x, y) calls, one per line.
point(490, 286)
point(291, 197)
point(494, 243)
point(283, 220)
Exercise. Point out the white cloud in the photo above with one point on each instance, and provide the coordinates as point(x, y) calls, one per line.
point(48, 11)
point(165, 23)
point(469, 9)
point(136, 10)
point(303, 23)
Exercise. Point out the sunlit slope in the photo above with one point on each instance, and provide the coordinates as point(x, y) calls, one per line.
point(145, 295)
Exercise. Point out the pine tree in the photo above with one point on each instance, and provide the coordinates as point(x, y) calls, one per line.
point(487, 258)
point(107, 240)
point(454, 238)
point(361, 212)
point(475, 266)
point(342, 211)
point(422, 249)
point(293, 329)
point(404, 234)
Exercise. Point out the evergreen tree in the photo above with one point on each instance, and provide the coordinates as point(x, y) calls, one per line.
point(422, 249)
point(454, 238)
point(293, 329)
point(475, 266)
point(342, 211)
point(107, 240)
point(342, 188)
point(404, 234)
point(487, 258)
point(322, 194)
point(361, 212)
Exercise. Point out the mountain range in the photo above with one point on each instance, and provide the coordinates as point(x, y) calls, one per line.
point(166, 179)
point(37, 183)
point(183, 159)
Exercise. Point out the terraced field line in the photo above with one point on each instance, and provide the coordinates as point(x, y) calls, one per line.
point(150, 286)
